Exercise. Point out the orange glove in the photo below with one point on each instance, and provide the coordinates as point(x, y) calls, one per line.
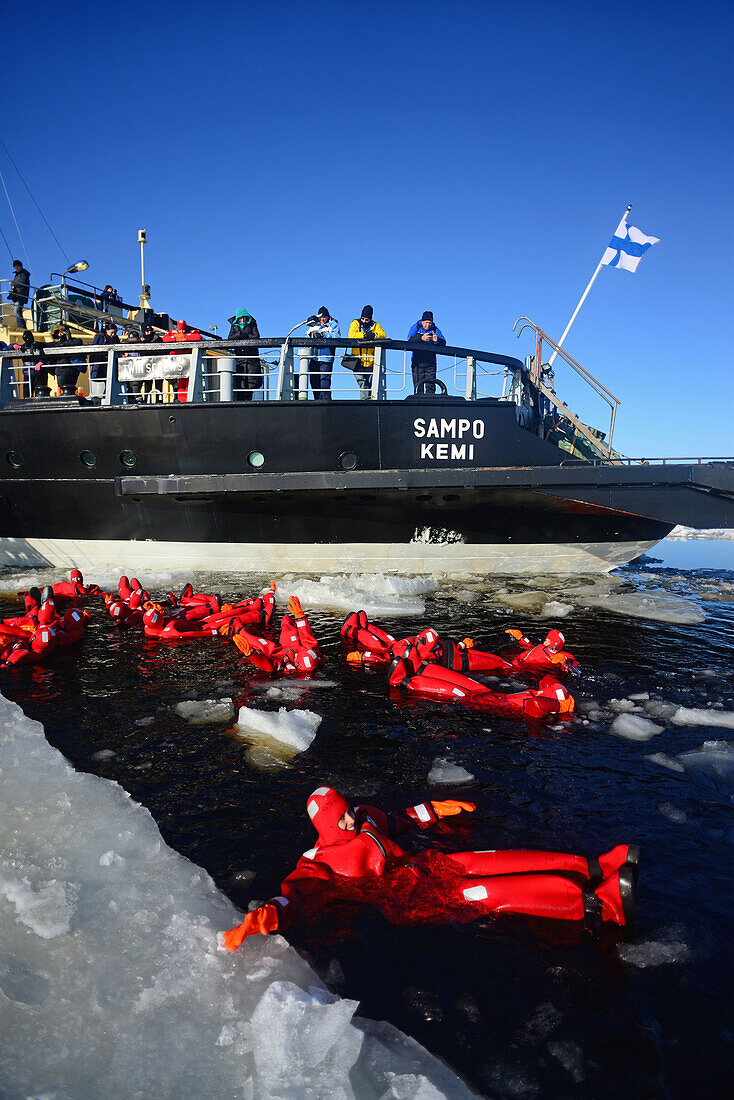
point(294, 606)
point(243, 645)
point(354, 658)
point(516, 634)
point(468, 643)
point(257, 923)
point(449, 807)
point(273, 586)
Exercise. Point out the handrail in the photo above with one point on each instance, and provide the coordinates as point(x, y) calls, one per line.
point(277, 341)
point(600, 390)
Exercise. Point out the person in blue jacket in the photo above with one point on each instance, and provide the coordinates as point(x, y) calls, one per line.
point(321, 361)
point(425, 334)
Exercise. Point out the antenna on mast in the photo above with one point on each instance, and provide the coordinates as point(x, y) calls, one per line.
point(145, 289)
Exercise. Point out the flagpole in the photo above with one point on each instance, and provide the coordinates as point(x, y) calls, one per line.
point(583, 296)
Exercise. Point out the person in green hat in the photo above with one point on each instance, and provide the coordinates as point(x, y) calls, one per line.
point(248, 375)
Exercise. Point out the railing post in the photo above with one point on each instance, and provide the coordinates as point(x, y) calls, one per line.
point(6, 389)
point(284, 391)
point(471, 378)
point(304, 355)
point(379, 375)
point(112, 386)
point(225, 373)
point(194, 391)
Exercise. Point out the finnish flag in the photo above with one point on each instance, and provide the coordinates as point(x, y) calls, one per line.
point(627, 247)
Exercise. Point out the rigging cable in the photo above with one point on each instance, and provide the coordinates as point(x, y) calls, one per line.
point(6, 242)
point(22, 242)
point(35, 203)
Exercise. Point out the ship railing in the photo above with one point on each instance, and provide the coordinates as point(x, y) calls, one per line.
point(667, 460)
point(541, 375)
point(268, 369)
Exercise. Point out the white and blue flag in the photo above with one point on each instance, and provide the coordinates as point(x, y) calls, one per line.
point(627, 247)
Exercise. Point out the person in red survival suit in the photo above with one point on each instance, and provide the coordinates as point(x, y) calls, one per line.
point(296, 654)
point(357, 859)
point(549, 656)
point(376, 647)
point(415, 677)
point(181, 334)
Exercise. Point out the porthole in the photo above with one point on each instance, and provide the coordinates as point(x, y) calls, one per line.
point(88, 459)
point(128, 458)
point(424, 496)
point(256, 459)
point(450, 496)
point(13, 459)
point(348, 460)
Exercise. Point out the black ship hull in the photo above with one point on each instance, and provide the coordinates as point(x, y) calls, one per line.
point(439, 485)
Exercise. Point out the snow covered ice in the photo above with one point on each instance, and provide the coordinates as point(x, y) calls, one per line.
point(444, 773)
point(199, 711)
point(111, 980)
point(377, 595)
point(295, 729)
point(688, 716)
point(634, 728)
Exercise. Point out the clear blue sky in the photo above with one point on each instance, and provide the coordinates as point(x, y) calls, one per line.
point(470, 158)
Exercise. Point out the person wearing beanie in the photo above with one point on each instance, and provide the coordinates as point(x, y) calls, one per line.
point(365, 328)
point(321, 359)
point(425, 334)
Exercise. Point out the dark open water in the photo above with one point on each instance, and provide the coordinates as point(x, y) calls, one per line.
point(517, 1007)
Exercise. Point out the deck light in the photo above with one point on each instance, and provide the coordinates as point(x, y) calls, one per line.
point(74, 268)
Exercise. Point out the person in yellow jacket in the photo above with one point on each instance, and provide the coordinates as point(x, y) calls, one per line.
point(365, 329)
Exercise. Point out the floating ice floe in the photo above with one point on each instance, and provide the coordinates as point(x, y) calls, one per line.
point(673, 813)
point(295, 729)
point(111, 973)
point(634, 728)
point(654, 952)
point(199, 711)
point(684, 533)
point(688, 716)
point(370, 592)
point(665, 761)
point(556, 610)
point(714, 758)
point(663, 607)
point(445, 774)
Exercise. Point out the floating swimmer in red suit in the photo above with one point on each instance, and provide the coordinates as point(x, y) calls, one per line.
point(296, 654)
point(357, 859)
point(549, 656)
point(460, 656)
point(408, 674)
point(181, 334)
point(376, 647)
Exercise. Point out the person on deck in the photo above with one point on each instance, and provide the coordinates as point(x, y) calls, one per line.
point(20, 288)
point(248, 375)
point(66, 367)
point(365, 328)
point(148, 335)
point(321, 361)
point(426, 335)
point(182, 334)
point(34, 359)
point(357, 860)
point(98, 363)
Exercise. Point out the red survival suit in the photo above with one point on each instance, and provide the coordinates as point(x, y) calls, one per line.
point(376, 647)
point(549, 656)
point(415, 677)
point(356, 859)
point(181, 334)
point(297, 653)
